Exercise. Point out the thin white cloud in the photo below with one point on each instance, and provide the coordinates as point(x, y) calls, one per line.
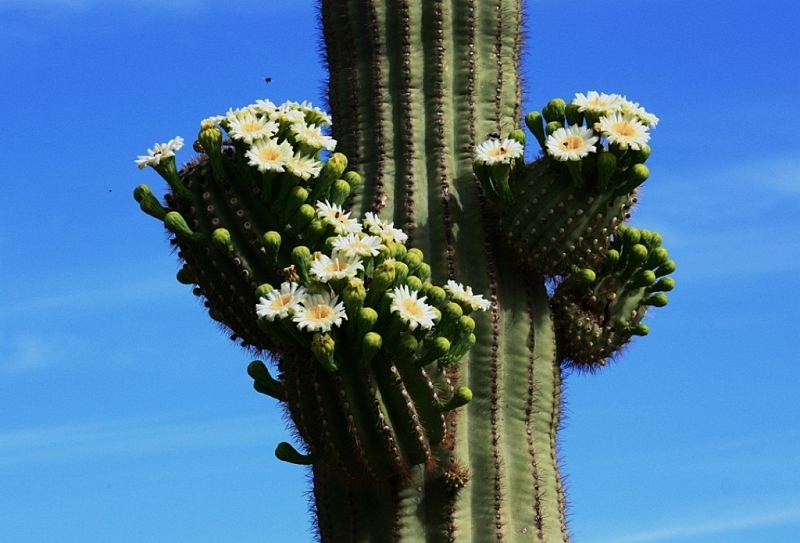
point(154, 6)
point(124, 437)
point(106, 290)
point(730, 222)
point(30, 352)
point(733, 523)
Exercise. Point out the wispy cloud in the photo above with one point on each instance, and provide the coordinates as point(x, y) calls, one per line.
point(732, 221)
point(151, 5)
point(692, 528)
point(104, 289)
point(124, 437)
point(29, 352)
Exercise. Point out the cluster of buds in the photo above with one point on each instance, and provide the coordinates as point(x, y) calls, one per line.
point(366, 293)
point(597, 317)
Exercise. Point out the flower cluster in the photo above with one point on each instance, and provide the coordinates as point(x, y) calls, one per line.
point(621, 123)
point(285, 138)
point(367, 284)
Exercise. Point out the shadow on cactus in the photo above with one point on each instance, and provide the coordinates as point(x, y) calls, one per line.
point(362, 337)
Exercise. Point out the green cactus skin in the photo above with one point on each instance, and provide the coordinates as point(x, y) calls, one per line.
point(450, 437)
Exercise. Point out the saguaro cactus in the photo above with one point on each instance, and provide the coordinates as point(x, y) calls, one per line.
point(428, 409)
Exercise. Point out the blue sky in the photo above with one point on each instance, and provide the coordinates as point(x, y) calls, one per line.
point(125, 416)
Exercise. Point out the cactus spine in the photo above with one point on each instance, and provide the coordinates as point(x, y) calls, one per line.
point(428, 410)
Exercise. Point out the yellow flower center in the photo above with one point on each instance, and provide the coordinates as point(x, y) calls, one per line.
point(572, 143)
point(251, 127)
point(624, 129)
point(413, 308)
point(336, 266)
point(281, 301)
point(269, 154)
point(319, 313)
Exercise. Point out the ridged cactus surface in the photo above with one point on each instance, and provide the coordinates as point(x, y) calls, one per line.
point(418, 282)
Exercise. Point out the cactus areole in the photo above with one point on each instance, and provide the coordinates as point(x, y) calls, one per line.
point(417, 285)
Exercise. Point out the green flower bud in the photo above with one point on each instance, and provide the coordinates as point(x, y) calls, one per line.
point(400, 273)
point(302, 218)
point(175, 222)
point(665, 284)
point(370, 346)
point(500, 172)
point(630, 235)
point(554, 111)
point(272, 244)
point(584, 274)
point(287, 453)
point(658, 256)
point(315, 230)
point(573, 114)
point(646, 238)
point(656, 300)
point(331, 171)
point(483, 173)
point(457, 350)
point(263, 381)
point(461, 397)
point(353, 297)
point(367, 317)
point(640, 329)
point(301, 258)
point(643, 278)
point(149, 203)
point(518, 136)
point(262, 290)
point(382, 280)
point(414, 283)
point(340, 190)
point(666, 268)
point(451, 312)
point(353, 179)
point(633, 177)
point(553, 126)
point(437, 348)
point(296, 197)
point(210, 138)
point(413, 258)
point(638, 157)
point(612, 257)
point(222, 239)
point(606, 166)
point(185, 276)
point(424, 271)
point(436, 295)
point(322, 345)
point(535, 123)
point(405, 347)
point(636, 256)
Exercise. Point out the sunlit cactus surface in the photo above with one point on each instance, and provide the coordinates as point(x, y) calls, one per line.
point(416, 276)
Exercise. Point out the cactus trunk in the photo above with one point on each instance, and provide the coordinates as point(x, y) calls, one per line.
point(414, 87)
